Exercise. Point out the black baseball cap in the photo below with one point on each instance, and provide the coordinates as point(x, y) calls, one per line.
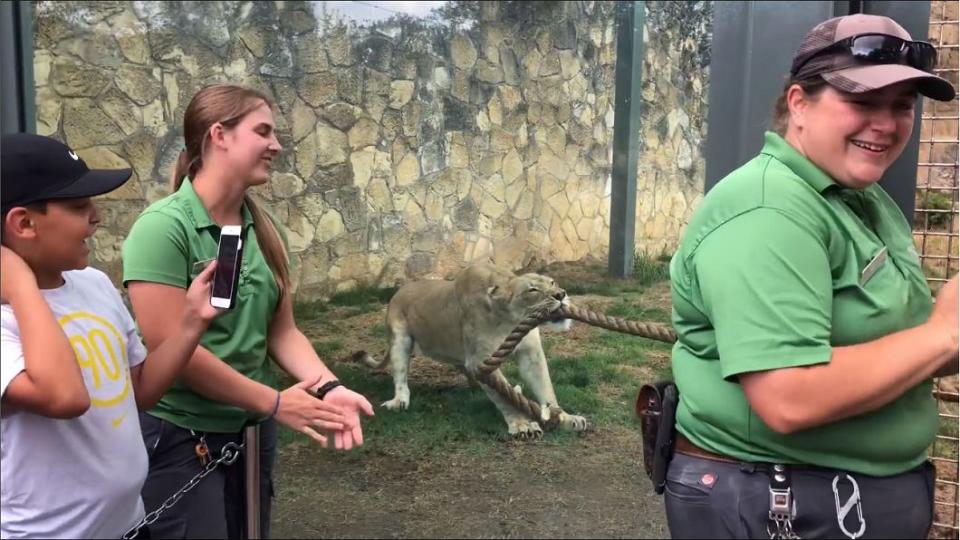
point(34, 169)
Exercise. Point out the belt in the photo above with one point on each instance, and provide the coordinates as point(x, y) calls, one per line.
point(682, 445)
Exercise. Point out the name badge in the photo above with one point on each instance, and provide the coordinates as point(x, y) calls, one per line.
point(198, 267)
point(875, 264)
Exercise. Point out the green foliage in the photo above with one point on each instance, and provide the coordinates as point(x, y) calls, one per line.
point(934, 200)
point(363, 294)
point(648, 269)
point(309, 310)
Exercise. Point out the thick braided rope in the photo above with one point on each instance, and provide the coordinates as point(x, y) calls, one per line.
point(517, 399)
point(647, 330)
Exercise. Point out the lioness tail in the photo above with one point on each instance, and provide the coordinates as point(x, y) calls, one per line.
point(364, 356)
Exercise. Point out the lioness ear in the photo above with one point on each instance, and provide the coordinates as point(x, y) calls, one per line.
point(488, 299)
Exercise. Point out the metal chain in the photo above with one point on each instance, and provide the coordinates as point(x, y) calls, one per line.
point(782, 530)
point(228, 455)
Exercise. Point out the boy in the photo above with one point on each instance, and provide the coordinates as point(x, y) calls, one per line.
point(73, 371)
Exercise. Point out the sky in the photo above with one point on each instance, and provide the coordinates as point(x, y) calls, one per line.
point(368, 11)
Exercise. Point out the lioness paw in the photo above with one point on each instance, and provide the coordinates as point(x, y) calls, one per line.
point(573, 422)
point(396, 404)
point(524, 429)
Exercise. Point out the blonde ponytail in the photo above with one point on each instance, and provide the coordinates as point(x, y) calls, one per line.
point(271, 245)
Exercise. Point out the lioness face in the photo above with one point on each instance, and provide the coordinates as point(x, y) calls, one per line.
point(533, 293)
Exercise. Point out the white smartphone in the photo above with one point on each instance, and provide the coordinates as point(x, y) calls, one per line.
point(227, 274)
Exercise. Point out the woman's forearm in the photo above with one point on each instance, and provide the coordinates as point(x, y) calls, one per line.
point(293, 352)
point(163, 365)
point(214, 379)
point(858, 379)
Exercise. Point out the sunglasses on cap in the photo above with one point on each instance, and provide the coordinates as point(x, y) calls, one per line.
point(879, 49)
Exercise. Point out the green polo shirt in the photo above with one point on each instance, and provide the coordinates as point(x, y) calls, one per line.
point(170, 243)
point(769, 275)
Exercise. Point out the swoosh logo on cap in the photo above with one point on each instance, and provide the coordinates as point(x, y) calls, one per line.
point(74, 156)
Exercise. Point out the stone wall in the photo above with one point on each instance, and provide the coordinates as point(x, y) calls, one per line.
point(413, 146)
point(673, 124)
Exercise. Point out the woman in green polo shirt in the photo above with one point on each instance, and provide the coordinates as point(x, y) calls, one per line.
point(230, 143)
point(807, 338)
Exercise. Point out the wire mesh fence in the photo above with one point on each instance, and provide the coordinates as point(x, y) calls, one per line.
point(937, 239)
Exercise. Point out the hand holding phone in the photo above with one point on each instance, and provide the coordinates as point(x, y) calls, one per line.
point(229, 257)
point(198, 311)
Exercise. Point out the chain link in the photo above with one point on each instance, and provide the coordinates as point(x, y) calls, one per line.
point(228, 455)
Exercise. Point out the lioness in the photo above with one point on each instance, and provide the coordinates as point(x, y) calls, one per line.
point(463, 321)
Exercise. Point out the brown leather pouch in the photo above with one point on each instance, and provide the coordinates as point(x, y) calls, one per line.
point(656, 408)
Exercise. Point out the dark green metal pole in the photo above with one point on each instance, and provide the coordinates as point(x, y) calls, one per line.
point(626, 125)
point(17, 107)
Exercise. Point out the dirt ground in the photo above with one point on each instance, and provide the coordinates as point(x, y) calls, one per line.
point(591, 489)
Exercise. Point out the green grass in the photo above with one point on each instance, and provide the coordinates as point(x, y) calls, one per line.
point(648, 269)
point(350, 303)
point(607, 286)
point(303, 311)
point(326, 348)
point(363, 294)
point(625, 309)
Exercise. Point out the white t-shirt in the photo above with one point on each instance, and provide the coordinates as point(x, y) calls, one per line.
point(77, 478)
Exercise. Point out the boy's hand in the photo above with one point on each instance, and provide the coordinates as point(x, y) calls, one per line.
point(199, 312)
point(15, 275)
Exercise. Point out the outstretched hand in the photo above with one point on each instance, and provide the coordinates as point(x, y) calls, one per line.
point(350, 404)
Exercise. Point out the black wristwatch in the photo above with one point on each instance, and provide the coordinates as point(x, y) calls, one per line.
point(327, 387)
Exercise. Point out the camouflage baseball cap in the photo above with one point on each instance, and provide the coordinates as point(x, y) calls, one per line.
point(859, 53)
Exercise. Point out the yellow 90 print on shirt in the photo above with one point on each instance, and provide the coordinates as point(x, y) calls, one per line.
point(102, 356)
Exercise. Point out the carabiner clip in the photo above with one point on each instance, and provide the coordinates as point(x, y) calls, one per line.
point(843, 511)
point(229, 453)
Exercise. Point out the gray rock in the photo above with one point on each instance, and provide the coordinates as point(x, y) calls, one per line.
point(462, 51)
point(566, 36)
point(349, 86)
point(419, 265)
point(94, 49)
point(138, 84)
point(457, 116)
point(71, 79)
point(297, 22)
point(278, 61)
point(339, 47)
point(85, 125)
point(376, 52)
point(349, 243)
point(352, 208)
point(318, 89)
point(392, 122)
point(489, 72)
point(310, 54)
point(431, 157)
point(254, 38)
point(508, 60)
point(336, 176)
point(466, 214)
point(374, 236)
point(341, 115)
point(121, 110)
